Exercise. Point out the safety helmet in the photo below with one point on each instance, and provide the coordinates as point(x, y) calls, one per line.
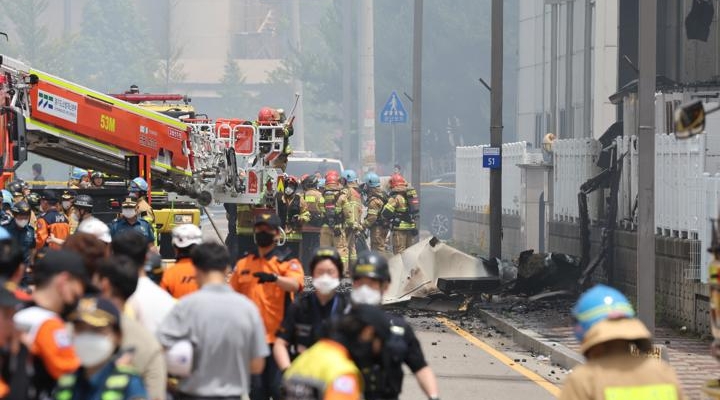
point(327, 253)
point(321, 183)
point(78, 174)
point(310, 182)
point(84, 201)
point(96, 228)
point(267, 114)
point(67, 195)
point(15, 188)
point(20, 208)
point(24, 185)
point(332, 177)
point(97, 174)
point(291, 181)
point(34, 200)
point(7, 198)
point(186, 235)
point(397, 180)
point(138, 185)
point(349, 175)
point(372, 180)
point(373, 265)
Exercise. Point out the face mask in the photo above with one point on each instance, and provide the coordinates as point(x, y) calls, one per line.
point(366, 295)
point(93, 348)
point(133, 195)
point(325, 284)
point(69, 308)
point(264, 239)
point(289, 191)
point(129, 212)
point(21, 223)
point(66, 205)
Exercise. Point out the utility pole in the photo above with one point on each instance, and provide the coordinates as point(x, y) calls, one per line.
point(496, 78)
point(553, 69)
point(416, 128)
point(366, 86)
point(569, 35)
point(347, 48)
point(646, 170)
point(587, 84)
point(299, 125)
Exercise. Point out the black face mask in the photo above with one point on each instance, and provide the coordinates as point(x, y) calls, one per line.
point(264, 239)
point(68, 309)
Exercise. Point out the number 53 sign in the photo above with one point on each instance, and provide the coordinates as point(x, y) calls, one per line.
point(491, 158)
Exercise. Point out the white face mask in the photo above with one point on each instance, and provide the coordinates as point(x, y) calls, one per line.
point(325, 284)
point(366, 295)
point(66, 204)
point(129, 212)
point(93, 348)
point(21, 223)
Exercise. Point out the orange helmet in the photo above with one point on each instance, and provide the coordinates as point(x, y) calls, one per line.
point(397, 180)
point(267, 114)
point(332, 177)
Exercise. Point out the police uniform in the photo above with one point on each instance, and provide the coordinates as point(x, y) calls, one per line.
point(315, 203)
point(111, 382)
point(374, 222)
point(140, 225)
point(403, 226)
point(306, 319)
point(24, 237)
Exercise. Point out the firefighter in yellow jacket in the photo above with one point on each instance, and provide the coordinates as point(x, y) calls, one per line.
point(712, 387)
point(315, 203)
point(397, 211)
point(293, 213)
point(331, 233)
point(349, 204)
point(376, 199)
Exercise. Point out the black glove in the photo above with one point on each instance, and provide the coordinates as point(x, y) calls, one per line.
point(265, 277)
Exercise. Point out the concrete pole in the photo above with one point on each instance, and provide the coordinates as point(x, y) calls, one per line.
point(569, 34)
point(553, 69)
point(299, 125)
point(646, 155)
point(416, 128)
point(366, 86)
point(496, 96)
point(347, 48)
point(587, 70)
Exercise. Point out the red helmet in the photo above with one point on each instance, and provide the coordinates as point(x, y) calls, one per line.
point(267, 114)
point(291, 181)
point(397, 180)
point(332, 177)
point(303, 177)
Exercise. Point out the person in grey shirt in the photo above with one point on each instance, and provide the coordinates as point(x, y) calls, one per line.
point(224, 328)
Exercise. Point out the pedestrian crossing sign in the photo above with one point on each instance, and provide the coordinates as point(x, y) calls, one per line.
point(394, 111)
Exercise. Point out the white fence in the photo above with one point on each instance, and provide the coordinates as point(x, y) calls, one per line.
point(574, 163)
point(473, 181)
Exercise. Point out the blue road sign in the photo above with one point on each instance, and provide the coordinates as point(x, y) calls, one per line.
point(393, 112)
point(492, 158)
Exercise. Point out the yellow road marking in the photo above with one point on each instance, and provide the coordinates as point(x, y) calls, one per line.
point(532, 376)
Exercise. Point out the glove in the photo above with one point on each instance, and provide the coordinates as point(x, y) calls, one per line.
point(265, 277)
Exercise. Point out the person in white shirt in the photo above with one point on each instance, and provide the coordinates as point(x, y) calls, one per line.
point(149, 305)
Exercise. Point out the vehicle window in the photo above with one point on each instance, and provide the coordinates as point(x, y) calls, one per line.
point(298, 167)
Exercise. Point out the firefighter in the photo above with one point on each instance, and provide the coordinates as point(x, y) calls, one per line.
point(139, 191)
point(268, 116)
point(331, 233)
point(384, 377)
point(349, 204)
point(316, 208)
point(67, 201)
point(20, 230)
point(293, 213)
point(52, 226)
point(97, 180)
point(397, 211)
point(378, 227)
point(606, 327)
point(80, 179)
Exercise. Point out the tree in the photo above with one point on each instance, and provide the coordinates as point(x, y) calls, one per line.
point(170, 69)
point(235, 99)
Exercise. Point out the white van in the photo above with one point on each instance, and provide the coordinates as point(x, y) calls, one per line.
point(299, 166)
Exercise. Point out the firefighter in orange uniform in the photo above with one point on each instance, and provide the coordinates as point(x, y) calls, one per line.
point(52, 226)
point(179, 279)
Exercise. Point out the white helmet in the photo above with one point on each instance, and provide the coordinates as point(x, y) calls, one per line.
point(179, 359)
point(185, 235)
point(96, 228)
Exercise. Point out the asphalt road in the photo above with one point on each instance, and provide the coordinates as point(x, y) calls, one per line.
point(482, 364)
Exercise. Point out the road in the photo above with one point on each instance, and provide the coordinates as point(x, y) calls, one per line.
point(469, 366)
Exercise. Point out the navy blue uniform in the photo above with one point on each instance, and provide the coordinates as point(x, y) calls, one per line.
point(24, 237)
point(140, 225)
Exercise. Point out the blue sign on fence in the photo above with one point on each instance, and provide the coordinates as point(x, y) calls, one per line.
point(491, 158)
point(393, 112)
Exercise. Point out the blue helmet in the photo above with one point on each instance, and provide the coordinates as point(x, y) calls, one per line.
point(138, 185)
point(349, 175)
point(321, 183)
point(79, 173)
point(372, 180)
point(7, 198)
point(598, 304)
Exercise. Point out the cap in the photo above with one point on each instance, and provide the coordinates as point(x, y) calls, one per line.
point(186, 235)
point(56, 261)
point(269, 219)
point(96, 312)
point(96, 228)
point(48, 195)
point(7, 297)
point(129, 202)
point(631, 329)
